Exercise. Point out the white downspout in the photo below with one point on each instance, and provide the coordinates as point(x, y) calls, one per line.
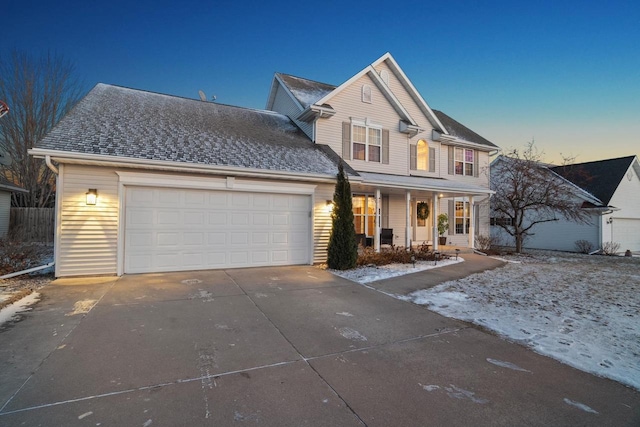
point(47, 160)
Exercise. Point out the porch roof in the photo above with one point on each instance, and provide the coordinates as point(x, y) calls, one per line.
point(436, 185)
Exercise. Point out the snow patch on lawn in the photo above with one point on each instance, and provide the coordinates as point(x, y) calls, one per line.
point(581, 310)
point(10, 312)
point(374, 273)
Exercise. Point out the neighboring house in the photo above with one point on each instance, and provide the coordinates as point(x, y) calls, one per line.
point(184, 184)
point(6, 188)
point(609, 190)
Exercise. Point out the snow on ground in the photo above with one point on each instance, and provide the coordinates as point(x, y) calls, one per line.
point(581, 310)
point(10, 312)
point(373, 273)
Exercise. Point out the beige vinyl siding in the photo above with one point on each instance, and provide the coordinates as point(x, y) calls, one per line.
point(87, 242)
point(348, 104)
point(5, 211)
point(321, 222)
point(416, 113)
point(397, 218)
point(283, 104)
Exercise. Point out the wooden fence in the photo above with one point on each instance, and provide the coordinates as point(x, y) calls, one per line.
point(32, 224)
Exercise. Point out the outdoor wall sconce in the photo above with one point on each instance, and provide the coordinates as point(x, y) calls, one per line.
point(92, 197)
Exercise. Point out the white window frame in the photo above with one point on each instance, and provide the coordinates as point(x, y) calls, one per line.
point(466, 215)
point(463, 162)
point(367, 143)
point(369, 201)
point(366, 94)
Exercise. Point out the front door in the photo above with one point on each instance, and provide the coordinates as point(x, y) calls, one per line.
point(422, 221)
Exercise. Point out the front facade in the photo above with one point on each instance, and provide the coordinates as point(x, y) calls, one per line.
point(182, 184)
point(410, 159)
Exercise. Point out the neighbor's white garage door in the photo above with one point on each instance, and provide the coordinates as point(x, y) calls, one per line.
point(627, 233)
point(177, 229)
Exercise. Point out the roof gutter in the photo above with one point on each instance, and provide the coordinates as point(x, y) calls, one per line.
point(314, 112)
point(103, 160)
point(385, 184)
point(452, 140)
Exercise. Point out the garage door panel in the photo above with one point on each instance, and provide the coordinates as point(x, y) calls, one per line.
point(239, 218)
point(174, 229)
point(217, 218)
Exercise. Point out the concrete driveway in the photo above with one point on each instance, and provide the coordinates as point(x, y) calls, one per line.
point(276, 346)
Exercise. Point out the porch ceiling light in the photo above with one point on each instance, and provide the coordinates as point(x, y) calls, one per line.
point(92, 197)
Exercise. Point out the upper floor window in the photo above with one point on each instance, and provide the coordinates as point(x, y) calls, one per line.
point(366, 142)
point(366, 94)
point(422, 157)
point(464, 161)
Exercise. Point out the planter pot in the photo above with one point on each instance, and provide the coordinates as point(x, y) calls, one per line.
point(442, 240)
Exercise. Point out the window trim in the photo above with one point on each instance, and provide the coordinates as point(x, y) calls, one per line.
point(366, 94)
point(366, 216)
point(367, 126)
point(464, 162)
point(466, 219)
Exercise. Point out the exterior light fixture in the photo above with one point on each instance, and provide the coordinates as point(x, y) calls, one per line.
point(92, 197)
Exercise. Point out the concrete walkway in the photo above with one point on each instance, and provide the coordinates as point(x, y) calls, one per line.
point(408, 283)
point(278, 347)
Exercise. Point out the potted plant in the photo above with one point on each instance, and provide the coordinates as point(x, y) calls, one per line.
point(443, 226)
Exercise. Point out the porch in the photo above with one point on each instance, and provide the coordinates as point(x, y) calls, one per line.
point(403, 211)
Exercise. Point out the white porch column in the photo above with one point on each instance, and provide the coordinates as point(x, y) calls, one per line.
point(408, 221)
point(376, 238)
point(434, 221)
point(472, 220)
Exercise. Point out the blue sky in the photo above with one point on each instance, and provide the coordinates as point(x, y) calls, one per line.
point(566, 74)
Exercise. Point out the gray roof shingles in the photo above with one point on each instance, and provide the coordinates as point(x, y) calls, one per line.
point(600, 178)
point(122, 122)
point(459, 130)
point(306, 91)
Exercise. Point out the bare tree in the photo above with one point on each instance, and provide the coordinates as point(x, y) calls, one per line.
point(529, 193)
point(39, 92)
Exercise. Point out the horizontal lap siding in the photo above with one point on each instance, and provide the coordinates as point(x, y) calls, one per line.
point(87, 243)
point(416, 113)
point(322, 222)
point(285, 105)
point(348, 104)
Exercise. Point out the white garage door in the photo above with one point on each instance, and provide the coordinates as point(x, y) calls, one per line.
point(627, 233)
point(177, 229)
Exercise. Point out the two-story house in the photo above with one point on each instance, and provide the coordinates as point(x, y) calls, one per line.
point(409, 159)
point(148, 182)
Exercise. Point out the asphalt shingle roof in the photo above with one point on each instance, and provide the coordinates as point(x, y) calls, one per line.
point(600, 178)
point(306, 91)
point(459, 130)
point(122, 122)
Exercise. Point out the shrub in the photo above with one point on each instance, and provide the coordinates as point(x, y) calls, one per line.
point(584, 246)
point(16, 256)
point(342, 250)
point(396, 255)
point(484, 243)
point(610, 248)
